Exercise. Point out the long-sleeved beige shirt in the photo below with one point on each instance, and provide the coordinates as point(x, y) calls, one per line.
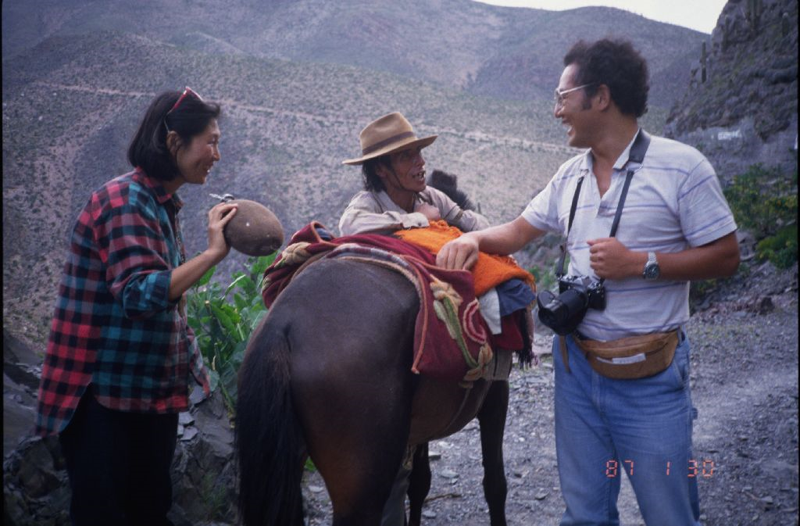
point(375, 212)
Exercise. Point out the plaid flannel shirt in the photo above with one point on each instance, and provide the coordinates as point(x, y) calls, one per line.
point(114, 326)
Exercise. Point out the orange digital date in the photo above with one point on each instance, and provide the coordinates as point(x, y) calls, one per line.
point(705, 469)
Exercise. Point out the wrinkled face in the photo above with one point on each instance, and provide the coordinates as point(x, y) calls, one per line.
point(573, 108)
point(196, 159)
point(408, 171)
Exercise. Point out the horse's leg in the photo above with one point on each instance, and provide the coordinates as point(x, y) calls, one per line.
point(394, 510)
point(351, 380)
point(357, 440)
point(419, 484)
point(492, 418)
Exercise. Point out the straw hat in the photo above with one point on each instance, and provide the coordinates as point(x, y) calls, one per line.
point(388, 134)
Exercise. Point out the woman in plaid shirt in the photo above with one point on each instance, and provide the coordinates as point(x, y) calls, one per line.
point(120, 357)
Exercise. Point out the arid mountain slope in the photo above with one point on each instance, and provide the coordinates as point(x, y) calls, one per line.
point(509, 53)
point(71, 104)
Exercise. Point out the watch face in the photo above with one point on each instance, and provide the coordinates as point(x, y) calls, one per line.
point(651, 271)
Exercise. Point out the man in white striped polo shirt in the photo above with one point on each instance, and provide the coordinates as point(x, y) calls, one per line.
point(622, 397)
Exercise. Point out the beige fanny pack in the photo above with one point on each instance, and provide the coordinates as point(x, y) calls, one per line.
point(628, 358)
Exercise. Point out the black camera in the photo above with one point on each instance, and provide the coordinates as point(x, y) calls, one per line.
point(577, 294)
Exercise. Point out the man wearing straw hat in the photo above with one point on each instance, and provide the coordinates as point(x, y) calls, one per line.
point(395, 194)
point(395, 197)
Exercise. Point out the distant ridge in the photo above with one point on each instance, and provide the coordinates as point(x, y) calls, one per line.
point(509, 53)
point(71, 104)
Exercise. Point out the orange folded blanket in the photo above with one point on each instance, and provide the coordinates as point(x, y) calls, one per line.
point(488, 272)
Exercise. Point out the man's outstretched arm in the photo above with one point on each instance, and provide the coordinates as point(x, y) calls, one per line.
point(505, 239)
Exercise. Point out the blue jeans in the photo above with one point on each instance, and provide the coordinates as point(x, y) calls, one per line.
point(643, 426)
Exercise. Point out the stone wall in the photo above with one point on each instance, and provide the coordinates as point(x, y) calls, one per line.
point(35, 484)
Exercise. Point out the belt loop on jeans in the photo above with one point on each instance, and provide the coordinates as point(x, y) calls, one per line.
point(564, 354)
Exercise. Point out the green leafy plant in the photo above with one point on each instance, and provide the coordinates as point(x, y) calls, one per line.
point(223, 319)
point(215, 501)
point(764, 200)
point(780, 249)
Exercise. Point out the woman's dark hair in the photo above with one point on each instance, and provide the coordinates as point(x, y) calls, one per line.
point(616, 64)
point(369, 171)
point(148, 148)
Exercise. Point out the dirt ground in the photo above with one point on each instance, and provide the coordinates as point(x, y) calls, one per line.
point(744, 379)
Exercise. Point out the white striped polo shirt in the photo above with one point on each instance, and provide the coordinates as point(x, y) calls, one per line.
point(674, 202)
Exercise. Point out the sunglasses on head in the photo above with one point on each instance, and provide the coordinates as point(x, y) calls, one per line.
point(186, 91)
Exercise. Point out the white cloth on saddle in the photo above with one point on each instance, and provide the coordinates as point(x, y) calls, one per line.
point(490, 310)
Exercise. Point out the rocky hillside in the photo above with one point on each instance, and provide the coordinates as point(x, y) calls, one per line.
point(510, 53)
point(71, 104)
point(298, 80)
point(741, 103)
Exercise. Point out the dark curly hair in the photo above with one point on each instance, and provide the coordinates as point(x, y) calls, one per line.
point(616, 64)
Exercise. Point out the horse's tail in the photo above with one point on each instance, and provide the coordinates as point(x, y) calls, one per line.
point(269, 442)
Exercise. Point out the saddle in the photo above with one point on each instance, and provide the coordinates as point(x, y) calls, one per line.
point(451, 340)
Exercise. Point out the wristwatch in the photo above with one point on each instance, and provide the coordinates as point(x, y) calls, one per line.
point(651, 269)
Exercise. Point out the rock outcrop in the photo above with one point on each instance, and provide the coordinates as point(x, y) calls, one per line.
point(741, 104)
point(35, 484)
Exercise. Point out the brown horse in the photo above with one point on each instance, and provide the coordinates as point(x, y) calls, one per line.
point(328, 374)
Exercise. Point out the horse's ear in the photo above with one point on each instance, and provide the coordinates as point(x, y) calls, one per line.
point(448, 183)
point(444, 181)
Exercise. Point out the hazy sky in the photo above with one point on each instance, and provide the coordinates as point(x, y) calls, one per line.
point(700, 15)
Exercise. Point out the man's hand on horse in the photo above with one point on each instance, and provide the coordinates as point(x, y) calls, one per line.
point(459, 254)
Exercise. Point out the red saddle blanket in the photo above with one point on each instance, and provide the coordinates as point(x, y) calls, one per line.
point(451, 340)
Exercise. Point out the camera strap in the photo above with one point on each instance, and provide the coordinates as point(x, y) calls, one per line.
point(636, 155)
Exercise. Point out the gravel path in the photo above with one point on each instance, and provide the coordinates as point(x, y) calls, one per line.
point(744, 379)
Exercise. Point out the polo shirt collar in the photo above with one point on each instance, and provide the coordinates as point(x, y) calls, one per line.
point(586, 163)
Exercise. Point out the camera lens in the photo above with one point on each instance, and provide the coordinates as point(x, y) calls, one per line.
point(551, 314)
point(559, 310)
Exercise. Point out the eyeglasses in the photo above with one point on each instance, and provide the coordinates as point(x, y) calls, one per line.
point(559, 95)
point(186, 91)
